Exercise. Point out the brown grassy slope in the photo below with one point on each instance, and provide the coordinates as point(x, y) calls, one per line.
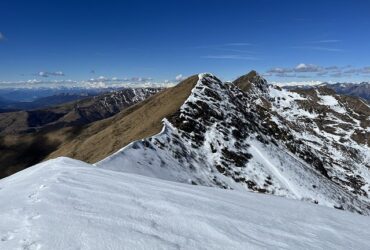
point(11, 121)
point(102, 138)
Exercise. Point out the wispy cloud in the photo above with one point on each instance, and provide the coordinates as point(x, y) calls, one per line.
point(303, 70)
point(47, 74)
point(232, 57)
point(327, 41)
point(224, 46)
point(319, 48)
point(363, 70)
point(302, 67)
point(135, 79)
point(231, 51)
point(289, 75)
point(237, 44)
point(235, 50)
point(179, 77)
point(2, 37)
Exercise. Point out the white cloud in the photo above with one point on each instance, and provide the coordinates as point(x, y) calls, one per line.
point(57, 73)
point(179, 77)
point(238, 44)
point(234, 57)
point(279, 70)
point(327, 41)
point(319, 48)
point(43, 74)
point(100, 82)
point(304, 70)
point(233, 51)
point(302, 67)
point(47, 74)
point(2, 37)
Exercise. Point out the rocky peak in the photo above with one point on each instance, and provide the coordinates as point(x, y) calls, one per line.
point(252, 83)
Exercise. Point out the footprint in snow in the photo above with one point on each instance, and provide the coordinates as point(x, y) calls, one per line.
point(35, 196)
point(34, 217)
point(30, 245)
point(8, 236)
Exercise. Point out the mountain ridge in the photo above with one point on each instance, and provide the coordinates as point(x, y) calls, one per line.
point(220, 130)
point(305, 144)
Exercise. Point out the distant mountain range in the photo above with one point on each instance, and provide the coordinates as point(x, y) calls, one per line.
point(31, 94)
point(353, 89)
point(37, 98)
point(42, 102)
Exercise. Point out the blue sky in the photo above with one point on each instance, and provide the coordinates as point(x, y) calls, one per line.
point(159, 40)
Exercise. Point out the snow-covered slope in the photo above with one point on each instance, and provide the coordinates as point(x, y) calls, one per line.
point(334, 128)
point(253, 140)
point(68, 204)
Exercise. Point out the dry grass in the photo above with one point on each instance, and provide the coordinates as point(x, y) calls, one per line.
point(94, 141)
point(100, 139)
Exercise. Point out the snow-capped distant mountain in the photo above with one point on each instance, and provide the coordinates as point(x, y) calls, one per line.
point(68, 204)
point(307, 146)
point(352, 89)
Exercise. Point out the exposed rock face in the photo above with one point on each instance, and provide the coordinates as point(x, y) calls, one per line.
point(252, 83)
point(107, 105)
point(263, 139)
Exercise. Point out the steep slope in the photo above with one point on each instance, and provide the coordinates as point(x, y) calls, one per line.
point(27, 137)
point(68, 204)
point(334, 128)
point(222, 136)
point(137, 122)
